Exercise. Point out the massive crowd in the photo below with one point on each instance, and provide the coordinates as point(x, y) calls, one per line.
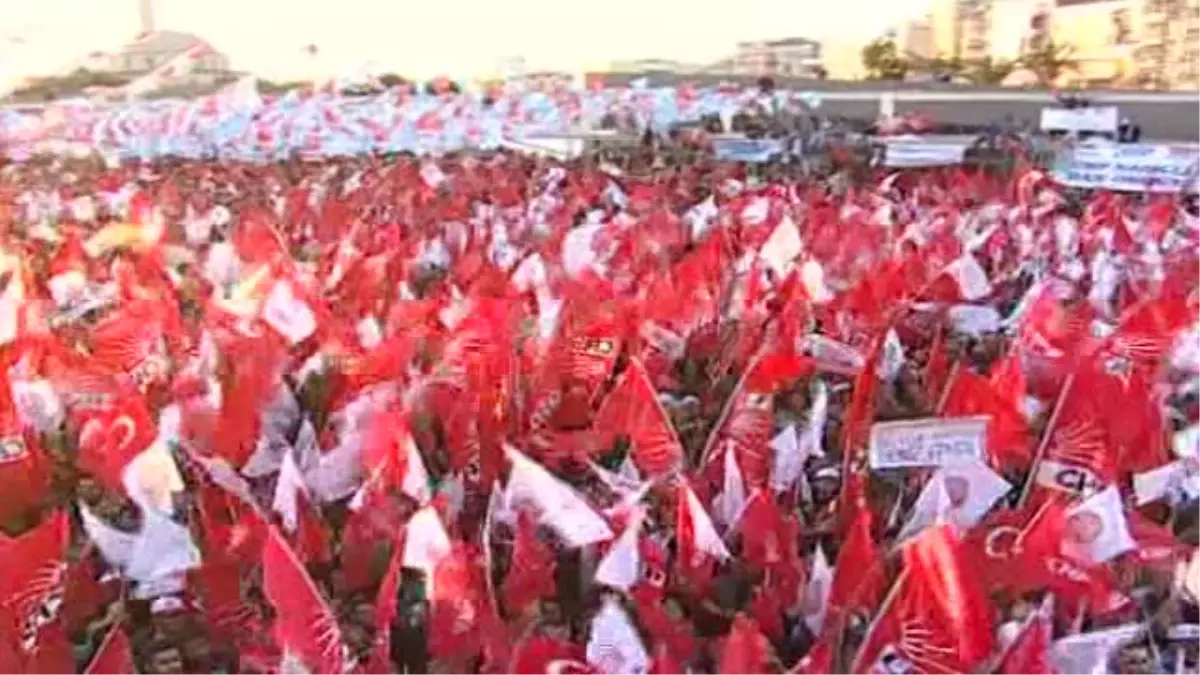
point(498, 413)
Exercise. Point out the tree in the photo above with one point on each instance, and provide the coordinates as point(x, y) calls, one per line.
point(946, 68)
point(991, 71)
point(452, 87)
point(269, 87)
point(1049, 61)
point(74, 83)
point(883, 61)
point(390, 80)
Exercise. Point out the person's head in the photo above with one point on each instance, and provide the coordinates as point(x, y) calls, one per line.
point(197, 653)
point(169, 616)
point(165, 658)
point(1135, 658)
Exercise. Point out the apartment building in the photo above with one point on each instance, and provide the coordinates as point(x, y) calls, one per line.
point(1103, 38)
point(1168, 50)
point(789, 57)
point(973, 29)
point(919, 38)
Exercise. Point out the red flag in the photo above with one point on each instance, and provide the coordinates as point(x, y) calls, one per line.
point(386, 605)
point(542, 655)
point(770, 543)
point(746, 649)
point(304, 624)
point(1007, 435)
point(746, 425)
point(531, 571)
point(1079, 456)
point(1030, 650)
point(31, 594)
point(110, 438)
point(858, 578)
point(24, 471)
point(632, 408)
point(113, 656)
point(939, 565)
point(456, 606)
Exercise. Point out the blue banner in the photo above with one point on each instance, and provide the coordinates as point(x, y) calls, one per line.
point(754, 151)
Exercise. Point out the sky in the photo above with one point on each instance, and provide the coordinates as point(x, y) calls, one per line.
point(457, 37)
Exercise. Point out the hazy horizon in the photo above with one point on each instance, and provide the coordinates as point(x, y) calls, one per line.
point(459, 37)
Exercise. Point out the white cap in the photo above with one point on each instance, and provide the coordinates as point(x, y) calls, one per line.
point(166, 604)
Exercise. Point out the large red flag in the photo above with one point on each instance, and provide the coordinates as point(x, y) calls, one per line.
point(304, 624)
point(31, 594)
point(114, 656)
point(1030, 650)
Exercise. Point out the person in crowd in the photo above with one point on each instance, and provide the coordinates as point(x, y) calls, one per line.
point(495, 412)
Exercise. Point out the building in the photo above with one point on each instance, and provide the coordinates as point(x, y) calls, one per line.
point(157, 48)
point(962, 28)
point(918, 38)
point(973, 29)
point(1016, 25)
point(1102, 38)
point(1167, 52)
point(789, 57)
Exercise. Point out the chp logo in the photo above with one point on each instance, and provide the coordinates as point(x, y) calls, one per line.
point(1003, 542)
point(891, 662)
point(39, 605)
point(1065, 569)
point(1073, 480)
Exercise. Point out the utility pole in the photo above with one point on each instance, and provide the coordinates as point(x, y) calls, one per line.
point(956, 51)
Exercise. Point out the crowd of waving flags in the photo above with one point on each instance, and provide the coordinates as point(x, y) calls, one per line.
point(484, 337)
point(239, 123)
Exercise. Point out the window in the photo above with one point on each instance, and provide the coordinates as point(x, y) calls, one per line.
point(1122, 34)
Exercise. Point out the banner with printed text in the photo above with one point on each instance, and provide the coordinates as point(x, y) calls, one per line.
point(1139, 167)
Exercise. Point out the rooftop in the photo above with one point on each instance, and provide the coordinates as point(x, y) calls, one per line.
point(161, 41)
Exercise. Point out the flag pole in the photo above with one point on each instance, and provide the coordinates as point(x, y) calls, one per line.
point(884, 607)
point(1047, 434)
point(945, 395)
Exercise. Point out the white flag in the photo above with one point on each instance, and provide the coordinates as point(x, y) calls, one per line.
point(1096, 528)
point(971, 278)
point(416, 477)
point(782, 247)
point(816, 593)
point(288, 488)
point(960, 493)
point(425, 542)
point(614, 646)
point(728, 505)
point(788, 464)
point(706, 538)
point(152, 479)
point(1091, 652)
point(290, 316)
point(163, 547)
point(557, 504)
point(621, 567)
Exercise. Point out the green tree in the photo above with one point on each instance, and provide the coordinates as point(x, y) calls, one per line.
point(940, 66)
point(69, 85)
point(390, 80)
point(991, 71)
point(269, 87)
point(1049, 61)
point(883, 61)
